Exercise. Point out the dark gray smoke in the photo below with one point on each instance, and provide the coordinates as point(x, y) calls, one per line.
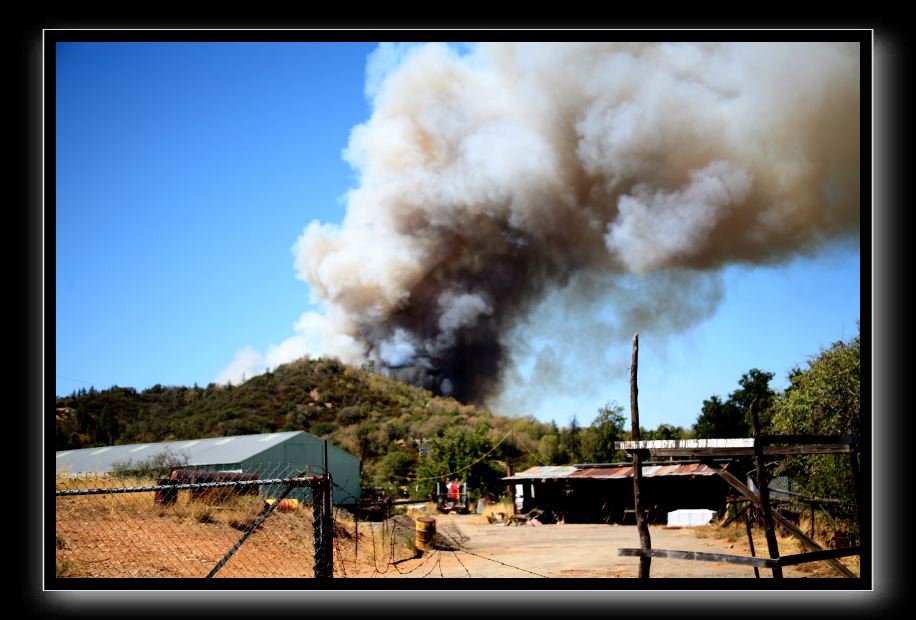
point(491, 180)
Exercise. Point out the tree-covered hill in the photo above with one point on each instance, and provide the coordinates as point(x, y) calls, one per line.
point(380, 420)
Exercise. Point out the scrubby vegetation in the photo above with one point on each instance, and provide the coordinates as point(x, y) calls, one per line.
point(382, 421)
point(407, 438)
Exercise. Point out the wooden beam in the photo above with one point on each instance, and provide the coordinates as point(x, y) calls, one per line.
point(701, 556)
point(737, 515)
point(775, 440)
point(697, 452)
point(738, 442)
point(817, 556)
point(810, 544)
point(783, 521)
point(730, 478)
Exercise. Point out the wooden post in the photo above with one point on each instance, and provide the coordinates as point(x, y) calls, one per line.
point(856, 483)
point(812, 520)
point(763, 486)
point(750, 536)
point(642, 527)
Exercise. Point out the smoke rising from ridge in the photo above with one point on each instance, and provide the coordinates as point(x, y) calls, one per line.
point(491, 180)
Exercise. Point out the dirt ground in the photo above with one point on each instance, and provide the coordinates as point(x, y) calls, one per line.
point(586, 550)
point(128, 536)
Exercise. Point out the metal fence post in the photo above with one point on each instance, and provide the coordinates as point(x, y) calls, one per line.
point(327, 530)
point(323, 525)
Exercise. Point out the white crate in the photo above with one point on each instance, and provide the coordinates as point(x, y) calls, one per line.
point(690, 517)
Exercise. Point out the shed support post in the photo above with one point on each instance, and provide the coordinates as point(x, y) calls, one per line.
point(763, 485)
point(750, 536)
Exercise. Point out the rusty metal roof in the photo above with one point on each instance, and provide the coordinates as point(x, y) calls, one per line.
point(613, 472)
point(648, 471)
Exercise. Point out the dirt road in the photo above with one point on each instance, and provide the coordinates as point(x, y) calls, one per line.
point(582, 550)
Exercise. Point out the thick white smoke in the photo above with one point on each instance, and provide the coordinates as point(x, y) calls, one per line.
point(490, 178)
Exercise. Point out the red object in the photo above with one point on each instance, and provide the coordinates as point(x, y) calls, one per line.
point(454, 490)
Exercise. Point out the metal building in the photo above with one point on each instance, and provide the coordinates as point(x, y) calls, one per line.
point(271, 455)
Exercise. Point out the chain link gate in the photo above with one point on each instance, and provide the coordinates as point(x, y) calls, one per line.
point(196, 524)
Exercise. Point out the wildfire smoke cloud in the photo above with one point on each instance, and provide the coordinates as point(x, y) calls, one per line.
point(490, 179)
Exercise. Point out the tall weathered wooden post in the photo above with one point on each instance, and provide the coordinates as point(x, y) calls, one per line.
point(763, 489)
point(642, 527)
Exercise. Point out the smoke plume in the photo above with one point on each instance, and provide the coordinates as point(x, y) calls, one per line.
point(626, 174)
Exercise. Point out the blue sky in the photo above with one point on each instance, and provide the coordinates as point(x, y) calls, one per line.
point(186, 172)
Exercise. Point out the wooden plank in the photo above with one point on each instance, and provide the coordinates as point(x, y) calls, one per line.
point(743, 451)
point(737, 514)
point(818, 556)
point(730, 478)
point(744, 442)
point(748, 443)
point(771, 440)
point(701, 556)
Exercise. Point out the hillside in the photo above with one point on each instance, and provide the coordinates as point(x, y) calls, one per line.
point(378, 419)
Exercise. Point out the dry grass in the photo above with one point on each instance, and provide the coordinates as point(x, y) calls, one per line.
point(130, 535)
point(735, 535)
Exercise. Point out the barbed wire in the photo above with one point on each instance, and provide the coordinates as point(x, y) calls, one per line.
point(503, 563)
point(457, 559)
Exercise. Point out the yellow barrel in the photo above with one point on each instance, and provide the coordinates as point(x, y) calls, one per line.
point(426, 529)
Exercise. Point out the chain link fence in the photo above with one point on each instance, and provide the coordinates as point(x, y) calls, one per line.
point(265, 522)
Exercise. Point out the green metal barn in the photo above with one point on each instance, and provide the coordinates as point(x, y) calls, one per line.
point(270, 455)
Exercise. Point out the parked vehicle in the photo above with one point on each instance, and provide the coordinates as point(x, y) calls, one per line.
point(452, 496)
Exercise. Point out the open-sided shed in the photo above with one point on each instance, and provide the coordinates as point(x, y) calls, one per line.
point(603, 493)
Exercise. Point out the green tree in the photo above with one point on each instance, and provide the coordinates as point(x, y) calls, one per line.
point(824, 399)
point(720, 419)
point(550, 450)
point(664, 431)
point(731, 418)
point(607, 428)
point(572, 441)
point(754, 385)
point(459, 454)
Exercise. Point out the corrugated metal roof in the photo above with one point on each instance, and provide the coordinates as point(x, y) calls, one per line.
point(211, 451)
point(612, 472)
point(544, 471)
